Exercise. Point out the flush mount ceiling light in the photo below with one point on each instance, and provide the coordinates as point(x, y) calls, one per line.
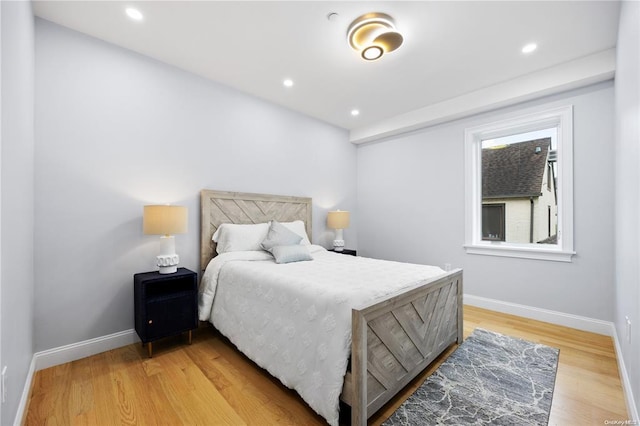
point(373, 35)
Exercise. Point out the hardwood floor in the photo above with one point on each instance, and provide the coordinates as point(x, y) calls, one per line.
point(211, 383)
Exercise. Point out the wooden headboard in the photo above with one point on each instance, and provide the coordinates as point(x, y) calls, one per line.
point(220, 207)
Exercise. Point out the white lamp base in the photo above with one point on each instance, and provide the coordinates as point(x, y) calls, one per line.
point(168, 260)
point(338, 243)
point(168, 269)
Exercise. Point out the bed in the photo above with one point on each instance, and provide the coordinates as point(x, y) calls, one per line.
point(391, 337)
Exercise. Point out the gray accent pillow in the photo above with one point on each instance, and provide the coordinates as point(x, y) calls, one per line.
point(279, 235)
point(288, 254)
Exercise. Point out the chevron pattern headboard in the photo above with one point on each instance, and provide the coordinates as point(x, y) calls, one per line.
point(220, 207)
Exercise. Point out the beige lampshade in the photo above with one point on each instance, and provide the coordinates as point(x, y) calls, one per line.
point(338, 219)
point(164, 220)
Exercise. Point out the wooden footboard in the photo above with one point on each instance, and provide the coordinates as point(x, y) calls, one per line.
point(394, 339)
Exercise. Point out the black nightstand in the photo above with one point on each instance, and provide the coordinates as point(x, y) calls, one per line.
point(346, 251)
point(165, 304)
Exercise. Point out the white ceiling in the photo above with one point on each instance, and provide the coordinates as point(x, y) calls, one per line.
point(451, 48)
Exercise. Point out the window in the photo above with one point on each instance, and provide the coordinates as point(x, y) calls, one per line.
point(493, 222)
point(519, 186)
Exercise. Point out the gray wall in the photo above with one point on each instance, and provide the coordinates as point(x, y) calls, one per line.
point(115, 131)
point(411, 208)
point(17, 199)
point(627, 184)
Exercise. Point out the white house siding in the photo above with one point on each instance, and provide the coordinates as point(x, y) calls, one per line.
point(541, 216)
point(517, 217)
point(517, 214)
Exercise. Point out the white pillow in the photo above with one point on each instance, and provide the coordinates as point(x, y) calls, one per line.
point(237, 237)
point(297, 226)
point(288, 254)
point(279, 235)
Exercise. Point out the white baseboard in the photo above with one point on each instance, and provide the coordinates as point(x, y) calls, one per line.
point(74, 351)
point(624, 377)
point(68, 353)
point(559, 318)
point(24, 398)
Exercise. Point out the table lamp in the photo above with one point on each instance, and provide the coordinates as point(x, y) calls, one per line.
point(338, 220)
point(165, 221)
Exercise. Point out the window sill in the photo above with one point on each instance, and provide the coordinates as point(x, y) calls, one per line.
point(523, 252)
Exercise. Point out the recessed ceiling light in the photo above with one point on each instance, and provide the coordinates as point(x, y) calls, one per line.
point(528, 48)
point(134, 14)
point(355, 112)
point(288, 82)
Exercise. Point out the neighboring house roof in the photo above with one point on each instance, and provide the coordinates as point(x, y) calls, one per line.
point(550, 240)
point(514, 170)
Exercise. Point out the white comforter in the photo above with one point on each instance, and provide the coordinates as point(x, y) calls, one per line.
point(294, 319)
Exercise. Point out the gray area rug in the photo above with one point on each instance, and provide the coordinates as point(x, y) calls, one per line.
point(491, 379)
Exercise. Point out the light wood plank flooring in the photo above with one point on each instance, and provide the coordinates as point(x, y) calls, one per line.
point(211, 383)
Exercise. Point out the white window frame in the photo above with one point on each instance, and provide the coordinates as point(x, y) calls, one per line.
point(560, 118)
